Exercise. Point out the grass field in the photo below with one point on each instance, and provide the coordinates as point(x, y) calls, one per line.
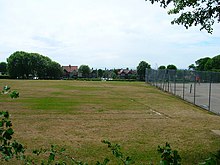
point(79, 114)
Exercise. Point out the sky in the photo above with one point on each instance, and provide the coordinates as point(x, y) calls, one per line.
point(102, 33)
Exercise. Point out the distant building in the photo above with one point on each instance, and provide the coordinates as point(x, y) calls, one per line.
point(70, 71)
point(127, 74)
point(94, 73)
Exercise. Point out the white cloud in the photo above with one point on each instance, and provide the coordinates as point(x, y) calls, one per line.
point(109, 33)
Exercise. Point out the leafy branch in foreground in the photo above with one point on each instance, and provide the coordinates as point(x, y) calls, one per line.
point(54, 156)
point(8, 148)
point(116, 151)
point(168, 155)
point(6, 89)
point(13, 94)
point(213, 160)
point(193, 12)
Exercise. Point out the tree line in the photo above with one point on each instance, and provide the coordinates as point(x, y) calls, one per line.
point(207, 64)
point(113, 73)
point(24, 65)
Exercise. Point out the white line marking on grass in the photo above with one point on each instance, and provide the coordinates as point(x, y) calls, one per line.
point(158, 113)
point(216, 132)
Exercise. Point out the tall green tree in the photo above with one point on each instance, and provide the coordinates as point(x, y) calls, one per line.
point(193, 12)
point(208, 65)
point(84, 70)
point(39, 64)
point(200, 63)
point(116, 72)
point(141, 69)
point(3, 67)
point(162, 67)
point(192, 67)
point(100, 73)
point(16, 65)
point(216, 62)
point(54, 70)
point(172, 67)
point(22, 65)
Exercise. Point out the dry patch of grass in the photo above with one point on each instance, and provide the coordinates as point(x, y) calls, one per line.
point(79, 115)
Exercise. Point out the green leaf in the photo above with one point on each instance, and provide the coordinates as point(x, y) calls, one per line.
point(10, 131)
point(14, 94)
point(37, 152)
point(6, 114)
point(8, 124)
point(105, 162)
point(51, 157)
point(129, 161)
point(1, 123)
point(7, 134)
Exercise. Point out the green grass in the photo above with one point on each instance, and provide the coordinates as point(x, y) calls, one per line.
point(79, 114)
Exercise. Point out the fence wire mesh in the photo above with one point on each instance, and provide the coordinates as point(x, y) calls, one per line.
point(198, 87)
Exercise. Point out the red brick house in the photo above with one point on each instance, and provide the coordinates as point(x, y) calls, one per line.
point(70, 71)
point(126, 73)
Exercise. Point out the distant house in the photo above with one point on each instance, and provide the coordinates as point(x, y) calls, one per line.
point(127, 74)
point(94, 73)
point(70, 71)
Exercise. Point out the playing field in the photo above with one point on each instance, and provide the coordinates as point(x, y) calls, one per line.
point(79, 114)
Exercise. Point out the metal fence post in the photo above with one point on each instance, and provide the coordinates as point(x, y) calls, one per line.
point(184, 84)
point(210, 90)
point(147, 75)
point(175, 83)
point(168, 83)
point(194, 99)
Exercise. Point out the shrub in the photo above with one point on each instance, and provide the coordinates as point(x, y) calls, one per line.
point(14, 94)
point(6, 89)
point(8, 148)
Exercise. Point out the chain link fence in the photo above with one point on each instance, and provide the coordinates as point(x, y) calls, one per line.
point(198, 87)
